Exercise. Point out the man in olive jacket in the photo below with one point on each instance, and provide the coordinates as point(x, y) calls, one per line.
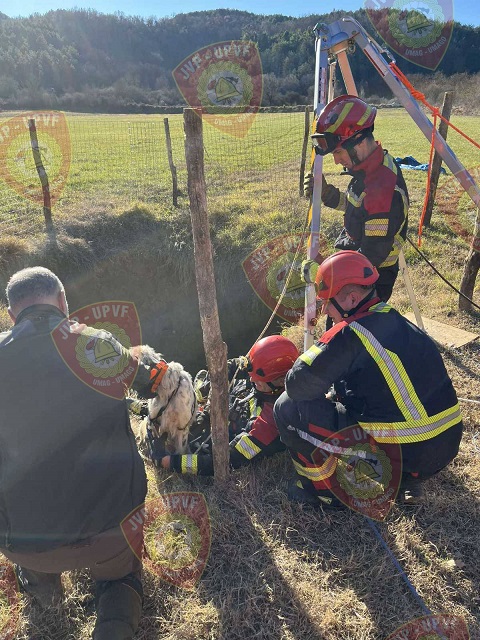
point(70, 469)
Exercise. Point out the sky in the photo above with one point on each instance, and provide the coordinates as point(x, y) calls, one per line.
point(464, 11)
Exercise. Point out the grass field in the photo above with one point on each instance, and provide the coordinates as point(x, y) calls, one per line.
point(275, 570)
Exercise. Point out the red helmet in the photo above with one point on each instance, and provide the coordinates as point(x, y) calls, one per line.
point(341, 119)
point(340, 269)
point(270, 358)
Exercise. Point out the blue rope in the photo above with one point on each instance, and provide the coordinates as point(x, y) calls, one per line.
point(402, 573)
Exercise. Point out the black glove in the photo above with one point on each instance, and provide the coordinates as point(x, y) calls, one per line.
point(238, 366)
point(308, 185)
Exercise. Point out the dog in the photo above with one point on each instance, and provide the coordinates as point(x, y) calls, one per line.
point(173, 410)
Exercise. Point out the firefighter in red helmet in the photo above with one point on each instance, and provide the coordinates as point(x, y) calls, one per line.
point(365, 371)
point(375, 205)
point(260, 380)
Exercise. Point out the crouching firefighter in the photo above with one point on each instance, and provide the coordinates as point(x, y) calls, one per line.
point(261, 379)
point(385, 375)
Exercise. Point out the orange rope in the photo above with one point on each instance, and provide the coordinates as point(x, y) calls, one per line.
point(436, 114)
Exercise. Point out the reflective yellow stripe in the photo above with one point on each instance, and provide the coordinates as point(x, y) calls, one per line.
point(247, 447)
point(413, 430)
point(388, 162)
point(255, 409)
point(344, 113)
point(376, 227)
point(309, 356)
point(365, 116)
point(190, 464)
point(393, 371)
point(316, 474)
point(398, 241)
point(381, 307)
point(355, 200)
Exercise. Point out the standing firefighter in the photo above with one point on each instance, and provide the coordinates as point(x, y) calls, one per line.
point(375, 204)
point(266, 366)
point(387, 374)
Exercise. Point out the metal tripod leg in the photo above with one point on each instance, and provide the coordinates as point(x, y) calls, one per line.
point(411, 294)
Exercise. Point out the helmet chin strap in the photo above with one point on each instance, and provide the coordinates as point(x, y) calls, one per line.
point(351, 312)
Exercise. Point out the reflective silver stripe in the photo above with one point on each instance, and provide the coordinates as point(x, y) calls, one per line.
point(331, 448)
point(247, 448)
point(386, 365)
point(429, 427)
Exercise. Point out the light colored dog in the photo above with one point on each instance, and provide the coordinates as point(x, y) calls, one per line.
point(172, 411)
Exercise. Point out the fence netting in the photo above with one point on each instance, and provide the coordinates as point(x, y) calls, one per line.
point(123, 159)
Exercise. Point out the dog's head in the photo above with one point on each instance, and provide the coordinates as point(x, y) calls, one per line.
point(171, 412)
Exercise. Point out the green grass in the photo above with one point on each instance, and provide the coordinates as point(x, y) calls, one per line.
point(276, 571)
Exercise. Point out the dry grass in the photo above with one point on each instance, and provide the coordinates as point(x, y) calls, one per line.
point(279, 571)
point(276, 570)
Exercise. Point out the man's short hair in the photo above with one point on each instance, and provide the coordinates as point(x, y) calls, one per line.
point(32, 285)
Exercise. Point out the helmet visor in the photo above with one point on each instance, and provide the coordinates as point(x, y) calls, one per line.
point(324, 143)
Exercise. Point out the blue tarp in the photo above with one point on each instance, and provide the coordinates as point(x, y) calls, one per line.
point(409, 162)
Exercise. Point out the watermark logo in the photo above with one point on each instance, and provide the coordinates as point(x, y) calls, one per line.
point(225, 81)
point(268, 268)
point(95, 341)
point(462, 220)
point(433, 627)
point(418, 30)
point(177, 535)
point(367, 474)
point(9, 601)
point(17, 164)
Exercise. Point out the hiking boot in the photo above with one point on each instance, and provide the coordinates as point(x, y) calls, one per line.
point(119, 608)
point(324, 499)
point(44, 588)
point(411, 492)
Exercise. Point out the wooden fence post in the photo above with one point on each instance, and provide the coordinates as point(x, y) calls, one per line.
point(215, 348)
point(173, 168)
point(306, 137)
point(437, 159)
point(42, 174)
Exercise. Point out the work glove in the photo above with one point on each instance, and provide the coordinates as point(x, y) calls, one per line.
point(309, 271)
point(308, 185)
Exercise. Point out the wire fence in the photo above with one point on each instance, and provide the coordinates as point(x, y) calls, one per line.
point(120, 159)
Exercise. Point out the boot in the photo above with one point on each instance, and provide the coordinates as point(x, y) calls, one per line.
point(119, 608)
point(44, 588)
point(297, 493)
point(411, 491)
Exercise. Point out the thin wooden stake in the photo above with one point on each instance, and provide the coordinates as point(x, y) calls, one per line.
point(173, 168)
point(215, 348)
point(437, 158)
point(42, 174)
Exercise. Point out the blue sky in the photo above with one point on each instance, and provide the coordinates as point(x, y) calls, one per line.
point(465, 11)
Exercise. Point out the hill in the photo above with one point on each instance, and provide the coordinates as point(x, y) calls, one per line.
point(82, 60)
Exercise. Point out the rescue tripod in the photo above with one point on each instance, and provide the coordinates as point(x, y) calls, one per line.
point(332, 43)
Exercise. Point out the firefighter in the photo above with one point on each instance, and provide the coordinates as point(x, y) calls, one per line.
point(376, 202)
point(265, 366)
point(386, 374)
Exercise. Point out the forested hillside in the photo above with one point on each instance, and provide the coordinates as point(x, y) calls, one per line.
point(85, 61)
